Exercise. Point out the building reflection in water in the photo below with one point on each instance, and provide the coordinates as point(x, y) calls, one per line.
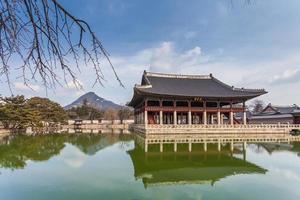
point(202, 164)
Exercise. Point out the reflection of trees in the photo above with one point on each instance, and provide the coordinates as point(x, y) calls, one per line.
point(19, 149)
point(23, 148)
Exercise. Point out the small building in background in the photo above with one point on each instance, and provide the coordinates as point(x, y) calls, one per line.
point(273, 114)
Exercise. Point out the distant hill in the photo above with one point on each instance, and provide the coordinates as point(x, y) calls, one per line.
point(93, 100)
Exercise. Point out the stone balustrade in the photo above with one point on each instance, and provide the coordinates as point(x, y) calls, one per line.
point(215, 129)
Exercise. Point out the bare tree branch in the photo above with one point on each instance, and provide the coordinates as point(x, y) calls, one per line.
point(47, 38)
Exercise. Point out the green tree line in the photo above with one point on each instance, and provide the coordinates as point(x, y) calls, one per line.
point(17, 112)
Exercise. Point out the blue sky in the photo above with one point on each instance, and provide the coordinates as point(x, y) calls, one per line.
point(256, 45)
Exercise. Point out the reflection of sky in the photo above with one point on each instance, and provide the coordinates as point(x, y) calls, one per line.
point(109, 175)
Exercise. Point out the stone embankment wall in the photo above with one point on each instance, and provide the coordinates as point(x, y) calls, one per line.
point(98, 124)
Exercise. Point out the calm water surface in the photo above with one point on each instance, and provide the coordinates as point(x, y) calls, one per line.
point(113, 167)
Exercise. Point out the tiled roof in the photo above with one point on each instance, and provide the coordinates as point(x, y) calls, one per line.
point(191, 86)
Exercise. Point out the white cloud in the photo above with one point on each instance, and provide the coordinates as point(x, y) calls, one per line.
point(165, 58)
point(279, 77)
point(74, 84)
point(287, 76)
point(74, 158)
point(22, 86)
point(286, 173)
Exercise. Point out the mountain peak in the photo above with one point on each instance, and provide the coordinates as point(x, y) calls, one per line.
point(93, 100)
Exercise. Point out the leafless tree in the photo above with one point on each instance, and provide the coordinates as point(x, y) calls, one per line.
point(45, 39)
point(257, 106)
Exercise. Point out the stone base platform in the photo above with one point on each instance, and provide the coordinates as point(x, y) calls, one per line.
point(213, 129)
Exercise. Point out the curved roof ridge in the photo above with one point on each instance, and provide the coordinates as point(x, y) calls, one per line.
point(169, 75)
point(284, 106)
point(142, 86)
point(235, 88)
point(249, 90)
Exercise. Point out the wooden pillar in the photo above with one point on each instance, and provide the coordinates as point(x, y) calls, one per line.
point(204, 118)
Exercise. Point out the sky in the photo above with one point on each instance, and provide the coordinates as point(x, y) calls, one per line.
point(254, 45)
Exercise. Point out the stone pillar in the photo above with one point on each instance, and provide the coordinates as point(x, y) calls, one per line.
point(189, 113)
point(146, 147)
point(212, 119)
point(175, 117)
point(231, 146)
point(189, 117)
point(231, 117)
point(175, 146)
point(231, 114)
point(160, 117)
point(219, 145)
point(205, 146)
point(244, 145)
point(204, 118)
point(190, 146)
point(160, 113)
point(244, 118)
point(219, 114)
point(161, 147)
point(219, 117)
point(244, 150)
point(244, 114)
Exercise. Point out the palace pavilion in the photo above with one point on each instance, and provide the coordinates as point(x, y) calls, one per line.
point(189, 99)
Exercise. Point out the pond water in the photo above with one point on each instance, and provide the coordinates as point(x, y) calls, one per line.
point(113, 166)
